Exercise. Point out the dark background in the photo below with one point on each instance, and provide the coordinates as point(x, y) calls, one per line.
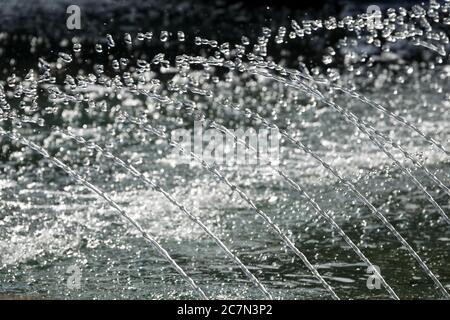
point(47, 17)
point(44, 23)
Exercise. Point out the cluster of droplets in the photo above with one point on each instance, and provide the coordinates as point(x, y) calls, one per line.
point(245, 59)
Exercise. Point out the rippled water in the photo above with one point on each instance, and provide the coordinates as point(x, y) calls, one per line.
point(50, 224)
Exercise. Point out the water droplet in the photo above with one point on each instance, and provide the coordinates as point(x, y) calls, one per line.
point(67, 58)
point(110, 41)
point(164, 36)
point(77, 47)
point(127, 39)
point(98, 48)
point(181, 36)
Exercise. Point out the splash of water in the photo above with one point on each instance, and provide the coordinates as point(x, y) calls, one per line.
point(198, 84)
point(73, 174)
point(92, 145)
